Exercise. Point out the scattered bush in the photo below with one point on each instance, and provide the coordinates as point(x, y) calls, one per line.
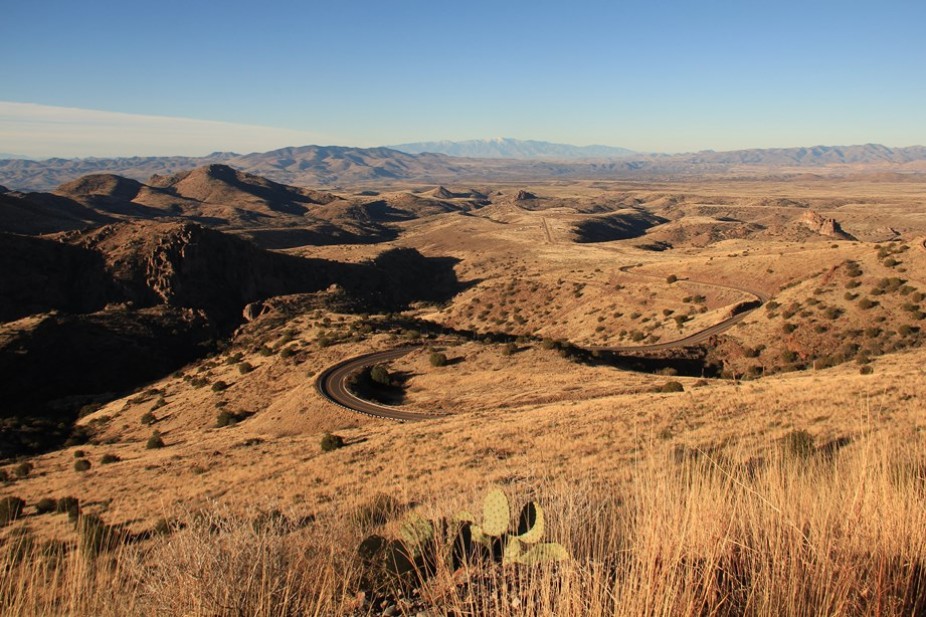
point(245, 367)
point(671, 279)
point(23, 469)
point(799, 443)
point(11, 508)
point(67, 505)
point(46, 505)
point(438, 359)
point(378, 511)
point(509, 349)
point(866, 304)
point(79, 454)
point(109, 458)
point(287, 352)
point(148, 418)
point(81, 464)
point(331, 442)
point(155, 441)
point(219, 386)
point(671, 386)
point(867, 369)
point(230, 418)
point(380, 375)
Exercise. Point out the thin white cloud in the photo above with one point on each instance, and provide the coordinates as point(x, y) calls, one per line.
point(45, 131)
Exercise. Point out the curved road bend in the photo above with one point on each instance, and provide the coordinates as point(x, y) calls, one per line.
point(332, 384)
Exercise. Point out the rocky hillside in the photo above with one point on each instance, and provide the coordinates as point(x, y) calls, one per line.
point(93, 313)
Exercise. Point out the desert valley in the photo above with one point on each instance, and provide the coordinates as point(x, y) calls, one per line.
point(272, 384)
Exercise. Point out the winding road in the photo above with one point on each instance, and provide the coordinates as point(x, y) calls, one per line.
point(332, 382)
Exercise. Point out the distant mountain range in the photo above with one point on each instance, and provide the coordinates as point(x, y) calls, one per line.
point(508, 148)
point(336, 166)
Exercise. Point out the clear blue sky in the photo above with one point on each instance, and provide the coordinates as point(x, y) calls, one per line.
point(647, 75)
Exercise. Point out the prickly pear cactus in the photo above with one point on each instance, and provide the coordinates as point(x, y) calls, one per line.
point(417, 532)
point(495, 513)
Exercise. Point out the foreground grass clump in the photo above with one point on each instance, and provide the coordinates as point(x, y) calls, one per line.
point(791, 528)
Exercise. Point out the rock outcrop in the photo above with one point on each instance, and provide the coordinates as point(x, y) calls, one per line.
point(817, 223)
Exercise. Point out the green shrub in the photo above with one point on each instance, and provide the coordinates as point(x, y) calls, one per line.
point(82, 464)
point(230, 418)
point(109, 458)
point(438, 359)
point(46, 505)
point(331, 442)
point(155, 441)
point(11, 508)
point(380, 374)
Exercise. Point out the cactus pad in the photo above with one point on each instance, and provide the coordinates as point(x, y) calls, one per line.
point(530, 523)
point(495, 513)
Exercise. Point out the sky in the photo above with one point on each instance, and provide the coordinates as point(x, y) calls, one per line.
point(119, 78)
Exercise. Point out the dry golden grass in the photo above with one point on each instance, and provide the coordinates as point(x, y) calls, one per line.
point(837, 532)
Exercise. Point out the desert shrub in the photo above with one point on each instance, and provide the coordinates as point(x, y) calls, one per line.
point(199, 382)
point(799, 443)
point(438, 359)
point(833, 312)
point(381, 509)
point(109, 458)
point(219, 386)
point(82, 465)
point(245, 367)
point(547, 343)
point(23, 469)
point(671, 279)
point(94, 536)
point(866, 369)
point(155, 441)
point(867, 303)
point(509, 349)
point(230, 418)
point(287, 352)
point(79, 454)
point(11, 508)
point(265, 351)
point(671, 386)
point(380, 374)
point(46, 505)
point(788, 327)
point(148, 418)
point(907, 330)
point(88, 409)
point(67, 505)
point(331, 442)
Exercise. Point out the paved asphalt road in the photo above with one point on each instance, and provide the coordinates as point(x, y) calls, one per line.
point(332, 383)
